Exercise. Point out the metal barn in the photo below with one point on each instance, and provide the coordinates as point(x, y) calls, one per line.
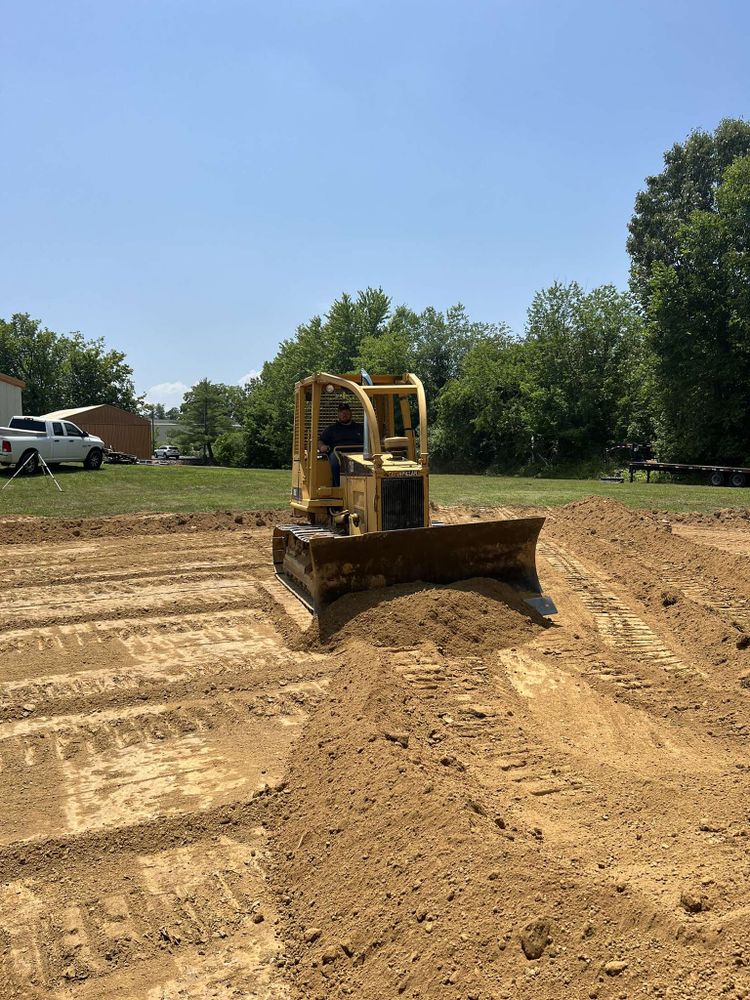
point(119, 429)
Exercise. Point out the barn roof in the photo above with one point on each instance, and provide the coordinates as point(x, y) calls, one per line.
point(108, 414)
point(12, 381)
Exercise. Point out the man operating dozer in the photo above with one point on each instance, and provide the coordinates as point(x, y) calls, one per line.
point(344, 432)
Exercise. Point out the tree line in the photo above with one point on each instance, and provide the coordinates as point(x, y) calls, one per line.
point(665, 363)
point(559, 394)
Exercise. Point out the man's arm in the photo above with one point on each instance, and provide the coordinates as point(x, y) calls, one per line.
point(324, 445)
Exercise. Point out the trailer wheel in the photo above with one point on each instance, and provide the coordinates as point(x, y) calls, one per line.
point(737, 479)
point(716, 478)
point(32, 463)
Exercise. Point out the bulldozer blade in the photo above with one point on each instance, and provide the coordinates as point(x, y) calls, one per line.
point(321, 567)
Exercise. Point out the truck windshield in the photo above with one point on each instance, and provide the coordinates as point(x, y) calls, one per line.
point(27, 424)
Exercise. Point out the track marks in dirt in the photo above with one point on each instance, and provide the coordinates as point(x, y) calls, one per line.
point(188, 922)
point(723, 537)
point(113, 661)
point(617, 624)
point(147, 701)
point(120, 766)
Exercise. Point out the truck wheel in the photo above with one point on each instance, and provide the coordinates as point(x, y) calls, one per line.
point(94, 459)
point(737, 479)
point(32, 465)
point(716, 478)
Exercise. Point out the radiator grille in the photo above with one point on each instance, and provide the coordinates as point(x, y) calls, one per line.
point(402, 502)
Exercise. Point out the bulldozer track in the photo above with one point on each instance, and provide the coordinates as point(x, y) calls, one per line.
point(617, 624)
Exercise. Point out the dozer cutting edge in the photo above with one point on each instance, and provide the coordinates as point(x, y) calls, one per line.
point(374, 529)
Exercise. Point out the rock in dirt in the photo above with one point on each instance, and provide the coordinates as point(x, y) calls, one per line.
point(615, 968)
point(708, 826)
point(397, 736)
point(692, 902)
point(312, 934)
point(535, 938)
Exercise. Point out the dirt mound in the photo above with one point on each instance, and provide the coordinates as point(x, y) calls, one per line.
point(23, 530)
point(397, 872)
point(648, 536)
point(467, 618)
point(727, 515)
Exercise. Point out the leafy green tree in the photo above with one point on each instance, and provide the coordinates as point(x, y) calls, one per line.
point(431, 344)
point(690, 181)
point(328, 344)
point(558, 396)
point(205, 414)
point(583, 354)
point(699, 310)
point(173, 413)
point(38, 356)
point(482, 416)
point(63, 371)
point(93, 374)
point(231, 449)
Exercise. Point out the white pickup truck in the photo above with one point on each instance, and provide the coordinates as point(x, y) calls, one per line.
point(26, 439)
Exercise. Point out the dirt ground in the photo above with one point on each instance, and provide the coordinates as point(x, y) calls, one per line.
point(433, 795)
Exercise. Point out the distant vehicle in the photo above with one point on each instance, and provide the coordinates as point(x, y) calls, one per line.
point(167, 451)
point(27, 440)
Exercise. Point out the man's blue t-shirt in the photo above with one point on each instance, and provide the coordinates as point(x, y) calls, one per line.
point(339, 435)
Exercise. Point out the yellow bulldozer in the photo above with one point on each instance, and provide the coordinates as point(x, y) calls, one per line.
point(373, 529)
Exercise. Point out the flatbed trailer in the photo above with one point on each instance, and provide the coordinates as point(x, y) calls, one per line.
point(119, 457)
point(718, 475)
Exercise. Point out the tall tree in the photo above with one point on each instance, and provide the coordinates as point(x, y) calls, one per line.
point(699, 310)
point(690, 181)
point(584, 356)
point(560, 395)
point(327, 344)
point(93, 374)
point(205, 414)
point(482, 416)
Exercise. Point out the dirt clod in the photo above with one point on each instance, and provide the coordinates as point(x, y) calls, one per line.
point(692, 902)
point(615, 967)
point(535, 938)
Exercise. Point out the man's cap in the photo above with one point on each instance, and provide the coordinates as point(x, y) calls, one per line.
point(344, 406)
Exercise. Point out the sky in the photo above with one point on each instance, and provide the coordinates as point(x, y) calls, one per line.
point(192, 180)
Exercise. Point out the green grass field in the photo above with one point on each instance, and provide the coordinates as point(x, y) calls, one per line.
point(129, 489)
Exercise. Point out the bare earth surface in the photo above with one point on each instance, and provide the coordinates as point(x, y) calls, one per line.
point(431, 794)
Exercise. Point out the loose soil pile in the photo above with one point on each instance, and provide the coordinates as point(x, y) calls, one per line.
point(466, 618)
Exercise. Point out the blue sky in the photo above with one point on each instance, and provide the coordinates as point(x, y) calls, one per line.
point(192, 180)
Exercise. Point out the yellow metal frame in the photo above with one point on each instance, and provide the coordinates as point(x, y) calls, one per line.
point(312, 492)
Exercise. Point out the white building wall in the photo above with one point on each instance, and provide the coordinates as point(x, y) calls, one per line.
point(10, 402)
